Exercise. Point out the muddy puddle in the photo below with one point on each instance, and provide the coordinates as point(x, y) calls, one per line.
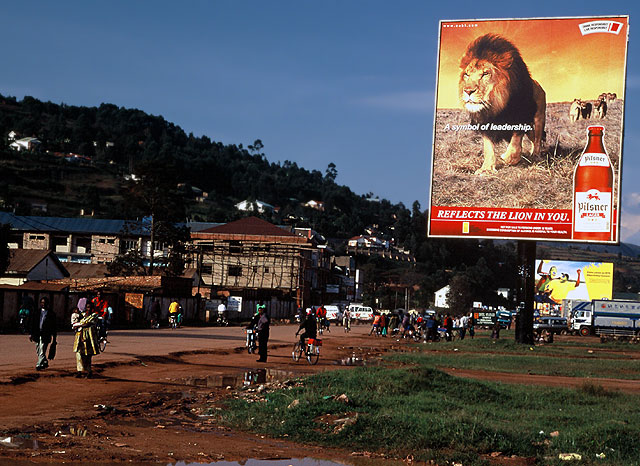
point(249, 377)
point(19, 442)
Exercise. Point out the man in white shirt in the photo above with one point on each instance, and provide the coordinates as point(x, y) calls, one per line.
point(464, 324)
point(222, 311)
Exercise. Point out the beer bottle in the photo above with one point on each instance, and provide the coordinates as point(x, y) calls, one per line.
point(593, 191)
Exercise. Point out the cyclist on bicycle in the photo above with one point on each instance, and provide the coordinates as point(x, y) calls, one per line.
point(310, 326)
point(100, 306)
point(175, 313)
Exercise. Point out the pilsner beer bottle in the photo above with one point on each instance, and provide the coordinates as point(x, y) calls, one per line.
point(593, 191)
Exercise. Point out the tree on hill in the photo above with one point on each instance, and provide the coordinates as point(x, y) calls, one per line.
point(154, 195)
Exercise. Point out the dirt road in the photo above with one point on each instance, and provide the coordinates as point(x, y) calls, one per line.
point(141, 405)
point(138, 408)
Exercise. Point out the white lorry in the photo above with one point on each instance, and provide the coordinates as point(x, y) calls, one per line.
point(607, 318)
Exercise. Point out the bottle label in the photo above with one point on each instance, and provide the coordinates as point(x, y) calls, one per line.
point(592, 211)
point(594, 159)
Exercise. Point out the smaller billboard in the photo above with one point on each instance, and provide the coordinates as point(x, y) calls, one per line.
point(333, 289)
point(487, 318)
point(234, 303)
point(571, 280)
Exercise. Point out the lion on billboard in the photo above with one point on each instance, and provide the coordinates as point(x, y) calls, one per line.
point(497, 90)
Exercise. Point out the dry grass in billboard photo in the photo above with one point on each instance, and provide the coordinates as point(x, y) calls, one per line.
point(544, 182)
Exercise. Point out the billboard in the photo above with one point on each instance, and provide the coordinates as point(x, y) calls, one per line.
point(570, 280)
point(527, 137)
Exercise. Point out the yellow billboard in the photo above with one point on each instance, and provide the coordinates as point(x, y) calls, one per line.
point(560, 280)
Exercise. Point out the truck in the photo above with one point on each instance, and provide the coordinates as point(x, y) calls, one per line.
point(607, 318)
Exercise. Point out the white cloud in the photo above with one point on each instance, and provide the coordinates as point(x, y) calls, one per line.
point(630, 227)
point(631, 199)
point(420, 101)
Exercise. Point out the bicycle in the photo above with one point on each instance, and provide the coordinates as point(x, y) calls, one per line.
point(102, 335)
point(251, 340)
point(311, 350)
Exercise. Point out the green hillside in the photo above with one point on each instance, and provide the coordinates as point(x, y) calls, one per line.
point(119, 141)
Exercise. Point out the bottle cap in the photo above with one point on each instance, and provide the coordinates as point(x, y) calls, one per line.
point(595, 129)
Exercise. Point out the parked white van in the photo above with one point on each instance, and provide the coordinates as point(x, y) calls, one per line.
point(360, 312)
point(333, 313)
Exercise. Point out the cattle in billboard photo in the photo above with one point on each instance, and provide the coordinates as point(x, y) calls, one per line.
point(600, 109)
point(497, 90)
point(575, 110)
point(585, 110)
point(608, 97)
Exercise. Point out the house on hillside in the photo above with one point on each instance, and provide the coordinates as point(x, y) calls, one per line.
point(317, 205)
point(32, 265)
point(255, 206)
point(441, 297)
point(25, 144)
point(368, 242)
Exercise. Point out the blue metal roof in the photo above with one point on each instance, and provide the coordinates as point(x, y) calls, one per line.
point(74, 225)
point(89, 224)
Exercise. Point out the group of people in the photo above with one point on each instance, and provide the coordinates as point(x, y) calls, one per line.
point(428, 324)
point(89, 319)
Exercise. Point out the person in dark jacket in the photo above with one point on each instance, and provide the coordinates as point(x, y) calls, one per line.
point(155, 313)
point(43, 332)
point(262, 327)
point(310, 327)
point(448, 325)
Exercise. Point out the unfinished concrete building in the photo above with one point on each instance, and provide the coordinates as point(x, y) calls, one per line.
point(261, 262)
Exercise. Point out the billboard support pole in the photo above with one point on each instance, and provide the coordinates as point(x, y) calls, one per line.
point(526, 264)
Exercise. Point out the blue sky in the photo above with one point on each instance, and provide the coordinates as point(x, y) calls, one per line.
point(350, 82)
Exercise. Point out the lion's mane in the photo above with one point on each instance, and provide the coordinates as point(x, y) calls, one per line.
point(511, 100)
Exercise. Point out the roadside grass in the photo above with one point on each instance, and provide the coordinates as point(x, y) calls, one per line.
point(421, 411)
point(508, 344)
point(505, 355)
point(527, 364)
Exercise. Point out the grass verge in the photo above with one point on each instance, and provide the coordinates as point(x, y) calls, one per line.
point(505, 355)
point(420, 411)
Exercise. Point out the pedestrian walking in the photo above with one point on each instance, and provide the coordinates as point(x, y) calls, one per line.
point(25, 314)
point(155, 313)
point(346, 320)
point(375, 328)
point(448, 325)
point(44, 332)
point(85, 343)
point(464, 324)
point(432, 328)
point(262, 327)
point(495, 334)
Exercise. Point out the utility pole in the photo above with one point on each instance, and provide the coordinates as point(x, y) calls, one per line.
point(153, 234)
point(526, 265)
